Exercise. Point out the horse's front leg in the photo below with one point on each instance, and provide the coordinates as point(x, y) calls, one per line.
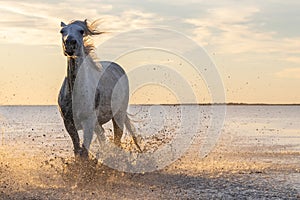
point(65, 105)
point(71, 129)
point(88, 127)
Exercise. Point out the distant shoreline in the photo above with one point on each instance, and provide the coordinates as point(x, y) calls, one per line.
point(200, 104)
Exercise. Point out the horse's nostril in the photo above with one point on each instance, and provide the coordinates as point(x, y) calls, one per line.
point(71, 42)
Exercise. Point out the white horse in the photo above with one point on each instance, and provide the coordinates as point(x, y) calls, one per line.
point(93, 92)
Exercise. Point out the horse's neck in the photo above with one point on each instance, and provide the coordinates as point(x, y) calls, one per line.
point(73, 67)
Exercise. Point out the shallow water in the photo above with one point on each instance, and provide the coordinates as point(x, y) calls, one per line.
point(277, 127)
point(257, 154)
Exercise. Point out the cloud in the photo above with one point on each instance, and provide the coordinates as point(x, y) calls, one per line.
point(231, 30)
point(293, 59)
point(293, 73)
point(37, 23)
point(227, 29)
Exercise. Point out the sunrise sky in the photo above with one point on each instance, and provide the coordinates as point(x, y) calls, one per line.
point(254, 44)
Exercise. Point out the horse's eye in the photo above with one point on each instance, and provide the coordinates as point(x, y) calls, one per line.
point(81, 32)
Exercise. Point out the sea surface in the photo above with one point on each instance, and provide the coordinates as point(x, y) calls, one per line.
point(236, 151)
point(243, 127)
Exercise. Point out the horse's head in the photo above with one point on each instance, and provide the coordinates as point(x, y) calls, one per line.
point(74, 37)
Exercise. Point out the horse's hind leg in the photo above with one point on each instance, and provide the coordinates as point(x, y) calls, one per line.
point(118, 123)
point(121, 120)
point(99, 130)
point(132, 131)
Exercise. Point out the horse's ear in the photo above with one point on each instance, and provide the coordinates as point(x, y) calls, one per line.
point(85, 21)
point(62, 24)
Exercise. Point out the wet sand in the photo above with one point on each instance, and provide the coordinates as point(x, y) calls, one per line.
point(41, 166)
point(42, 176)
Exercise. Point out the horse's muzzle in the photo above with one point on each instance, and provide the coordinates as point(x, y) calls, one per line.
point(69, 53)
point(70, 47)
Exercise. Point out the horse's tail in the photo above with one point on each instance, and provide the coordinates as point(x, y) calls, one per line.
point(131, 129)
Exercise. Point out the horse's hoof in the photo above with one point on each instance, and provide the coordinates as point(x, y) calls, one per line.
point(81, 153)
point(84, 153)
point(77, 153)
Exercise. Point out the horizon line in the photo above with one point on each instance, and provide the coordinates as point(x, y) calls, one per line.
point(176, 104)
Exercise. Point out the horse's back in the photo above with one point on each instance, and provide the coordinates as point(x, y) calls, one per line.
point(112, 75)
point(112, 68)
